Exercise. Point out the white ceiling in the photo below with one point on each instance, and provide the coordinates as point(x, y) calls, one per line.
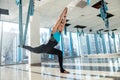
point(50, 10)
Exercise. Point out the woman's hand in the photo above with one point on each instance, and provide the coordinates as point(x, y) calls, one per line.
point(61, 19)
point(64, 13)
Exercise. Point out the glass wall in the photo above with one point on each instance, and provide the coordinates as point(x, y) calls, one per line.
point(44, 37)
point(75, 51)
point(112, 44)
point(73, 45)
point(66, 44)
point(100, 47)
point(92, 44)
point(117, 43)
point(83, 44)
point(9, 44)
point(0, 40)
point(107, 43)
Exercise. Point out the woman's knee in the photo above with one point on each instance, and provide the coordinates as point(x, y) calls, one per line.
point(60, 53)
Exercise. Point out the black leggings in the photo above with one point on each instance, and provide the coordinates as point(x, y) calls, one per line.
point(48, 48)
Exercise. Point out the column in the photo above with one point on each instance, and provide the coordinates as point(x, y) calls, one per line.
point(35, 59)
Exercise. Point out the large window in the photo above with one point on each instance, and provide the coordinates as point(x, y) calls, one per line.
point(9, 44)
point(83, 44)
point(75, 51)
point(92, 44)
point(44, 37)
point(117, 43)
point(74, 45)
point(107, 43)
point(112, 44)
point(100, 44)
point(66, 44)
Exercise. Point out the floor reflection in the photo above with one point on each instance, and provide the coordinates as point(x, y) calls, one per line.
point(80, 69)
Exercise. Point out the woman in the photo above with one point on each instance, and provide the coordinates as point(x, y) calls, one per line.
point(53, 41)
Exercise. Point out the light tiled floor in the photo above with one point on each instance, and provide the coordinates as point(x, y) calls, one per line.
point(80, 69)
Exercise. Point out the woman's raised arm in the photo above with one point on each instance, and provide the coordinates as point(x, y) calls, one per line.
point(62, 16)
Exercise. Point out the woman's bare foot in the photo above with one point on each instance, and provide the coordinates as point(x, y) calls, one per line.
point(67, 72)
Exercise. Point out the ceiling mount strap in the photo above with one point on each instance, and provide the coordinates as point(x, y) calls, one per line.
point(88, 2)
point(103, 13)
point(113, 35)
point(18, 2)
point(31, 7)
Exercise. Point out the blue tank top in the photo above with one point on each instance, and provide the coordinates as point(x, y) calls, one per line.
point(56, 36)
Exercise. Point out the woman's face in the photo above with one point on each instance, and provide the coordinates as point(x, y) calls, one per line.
point(60, 28)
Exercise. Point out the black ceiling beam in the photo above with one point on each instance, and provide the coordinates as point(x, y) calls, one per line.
point(80, 26)
point(114, 29)
point(67, 20)
point(97, 5)
point(67, 24)
point(100, 29)
point(106, 31)
point(4, 11)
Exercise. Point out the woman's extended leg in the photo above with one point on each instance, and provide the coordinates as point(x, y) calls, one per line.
point(60, 58)
point(39, 49)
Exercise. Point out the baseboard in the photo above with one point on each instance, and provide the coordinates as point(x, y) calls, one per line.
point(36, 64)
